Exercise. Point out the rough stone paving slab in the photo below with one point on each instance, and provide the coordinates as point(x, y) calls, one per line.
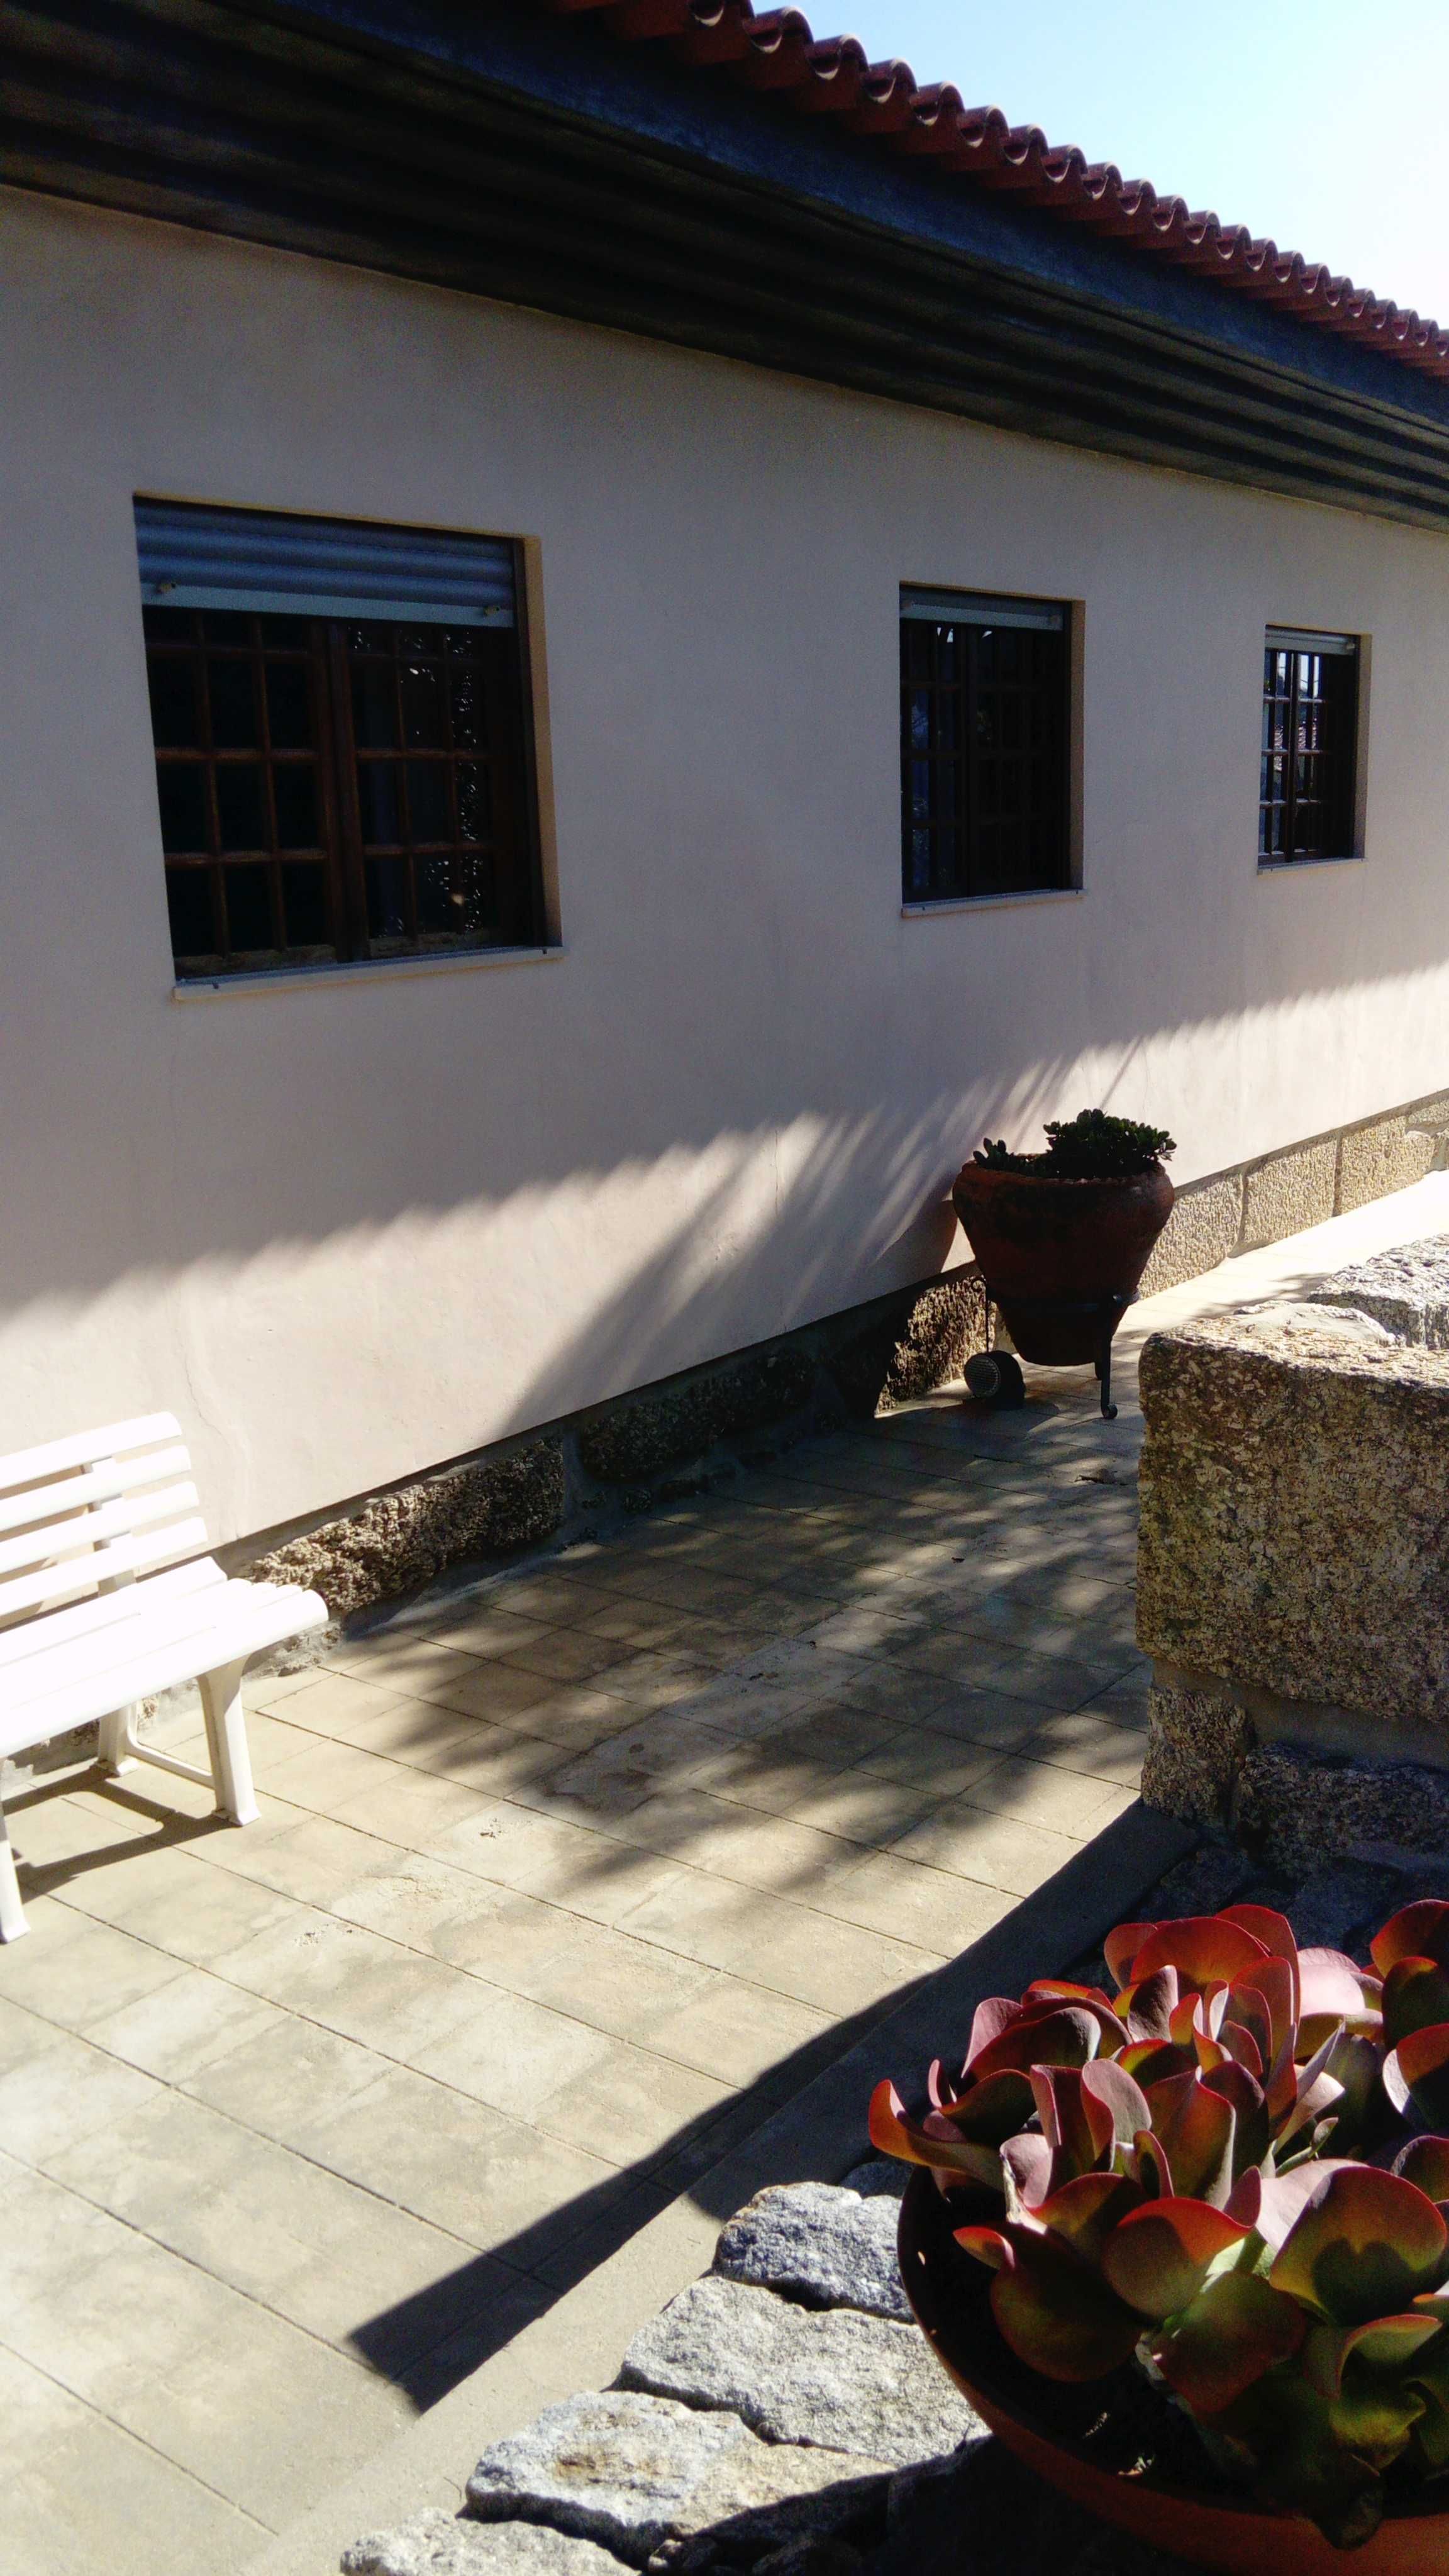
point(634, 2471)
point(1406, 1291)
point(796, 2376)
point(438, 2544)
point(821, 2244)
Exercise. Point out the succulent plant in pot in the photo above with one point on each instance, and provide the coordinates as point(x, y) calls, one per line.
point(1063, 1237)
point(1202, 2193)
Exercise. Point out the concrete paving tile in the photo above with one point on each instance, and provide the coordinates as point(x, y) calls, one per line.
point(735, 1842)
point(928, 1907)
point(756, 1774)
point(1058, 1681)
point(134, 2314)
point(992, 1719)
point(277, 2082)
point(999, 1851)
point(80, 2494)
point(630, 1623)
point(861, 1807)
point(572, 1715)
point(628, 1768)
point(920, 1757)
point(654, 1679)
point(355, 1983)
point(454, 2161)
point(265, 2413)
point(492, 2323)
point(494, 1626)
point(738, 2033)
point(310, 1861)
point(1041, 1793)
point(409, 1730)
point(803, 1953)
point(541, 1855)
point(196, 1911)
point(565, 1655)
point(68, 2090)
point(611, 1980)
point(22, 2035)
point(184, 2025)
point(77, 1980)
point(410, 1807)
point(51, 2236)
point(494, 1761)
point(558, 1593)
point(838, 1736)
point(1092, 1745)
point(404, 1660)
point(681, 1586)
point(631, 2105)
point(516, 2055)
point(325, 1771)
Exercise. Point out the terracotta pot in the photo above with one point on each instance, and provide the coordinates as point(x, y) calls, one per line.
point(949, 2293)
point(1081, 1241)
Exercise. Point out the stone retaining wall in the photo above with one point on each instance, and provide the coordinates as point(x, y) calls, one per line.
point(1293, 1569)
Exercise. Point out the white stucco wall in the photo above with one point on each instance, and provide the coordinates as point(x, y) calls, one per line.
point(349, 1230)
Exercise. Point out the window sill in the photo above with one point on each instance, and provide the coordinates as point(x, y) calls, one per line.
point(1297, 867)
point(991, 902)
point(293, 979)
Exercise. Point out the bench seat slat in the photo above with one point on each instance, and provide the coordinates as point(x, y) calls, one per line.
point(55, 1539)
point(144, 1624)
point(128, 1556)
point(28, 1466)
point(251, 1618)
point(36, 1636)
point(93, 1485)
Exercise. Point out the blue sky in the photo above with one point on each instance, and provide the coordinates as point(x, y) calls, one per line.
point(1318, 125)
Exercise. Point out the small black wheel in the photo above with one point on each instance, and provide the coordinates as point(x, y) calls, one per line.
point(995, 1377)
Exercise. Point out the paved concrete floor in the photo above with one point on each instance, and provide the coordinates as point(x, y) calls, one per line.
point(558, 1888)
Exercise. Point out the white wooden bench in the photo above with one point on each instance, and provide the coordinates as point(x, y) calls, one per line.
point(81, 1637)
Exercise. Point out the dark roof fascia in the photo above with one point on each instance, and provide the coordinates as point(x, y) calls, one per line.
point(487, 146)
point(576, 66)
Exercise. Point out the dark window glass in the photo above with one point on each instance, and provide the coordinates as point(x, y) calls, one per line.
point(984, 750)
point(1310, 727)
point(330, 789)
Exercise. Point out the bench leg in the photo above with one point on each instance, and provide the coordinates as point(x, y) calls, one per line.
point(12, 1912)
point(226, 1736)
point(115, 1740)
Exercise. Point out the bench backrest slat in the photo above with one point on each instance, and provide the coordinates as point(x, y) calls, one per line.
point(84, 1514)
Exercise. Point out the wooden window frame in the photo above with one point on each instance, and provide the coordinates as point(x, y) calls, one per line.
point(499, 771)
point(951, 822)
point(1311, 730)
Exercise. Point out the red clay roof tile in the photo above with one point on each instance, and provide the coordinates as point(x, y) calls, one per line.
point(775, 50)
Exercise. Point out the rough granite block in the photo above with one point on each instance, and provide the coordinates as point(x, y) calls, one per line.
point(1202, 1230)
point(681, 1421)
point(1295, 1512)
point(402, 1539)
point(435, 2543)
point(1196, 1745)
point(633, 2472)
point(1288, 1192)
point(839, 2378)
point(1296, 1811)
point(820, 2244)
point(911, 1348)
point(1406, 1291)
point(1387, 1156)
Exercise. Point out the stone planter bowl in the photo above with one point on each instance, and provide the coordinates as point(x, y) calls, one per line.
point(1080, 1242)
point(1236, 2539)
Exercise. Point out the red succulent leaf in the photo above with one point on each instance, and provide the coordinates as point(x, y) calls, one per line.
point(1286, 2196)
point(1062, 2035)
point(1364, 2245)
point(1248, 2010)
point(1243, 2049)
point(1416, 1996)
point(1076, 2126)
point(1121, 1947)
point(1277, 1983)
point(1054, 2310)
point(931, 2142)
point(1234, 2330)
point(1329, 1983)
point(1150, 2166)
point(1151, 2061)
point(1251, 2133)
point(1245, 2200)
point(1205, 1949)
point(1085, 2211)
point(1419, 2067)
point(1027, 2160)
point(1110, 2084)
point(1417, 1932)
point(1425, 2162)
point(991, 2110)
point(992, 2016)
point(1273, 1930)
point(1196, 2128)
point(1387, 2343)
point(1147, 2007)
point(1159, 2256)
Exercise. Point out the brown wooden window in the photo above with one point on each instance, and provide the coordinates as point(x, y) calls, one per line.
point(1310, 741)
point(335, 787)
point(985, 744)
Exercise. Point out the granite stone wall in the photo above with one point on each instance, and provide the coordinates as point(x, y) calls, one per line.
point(1293, 1570)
